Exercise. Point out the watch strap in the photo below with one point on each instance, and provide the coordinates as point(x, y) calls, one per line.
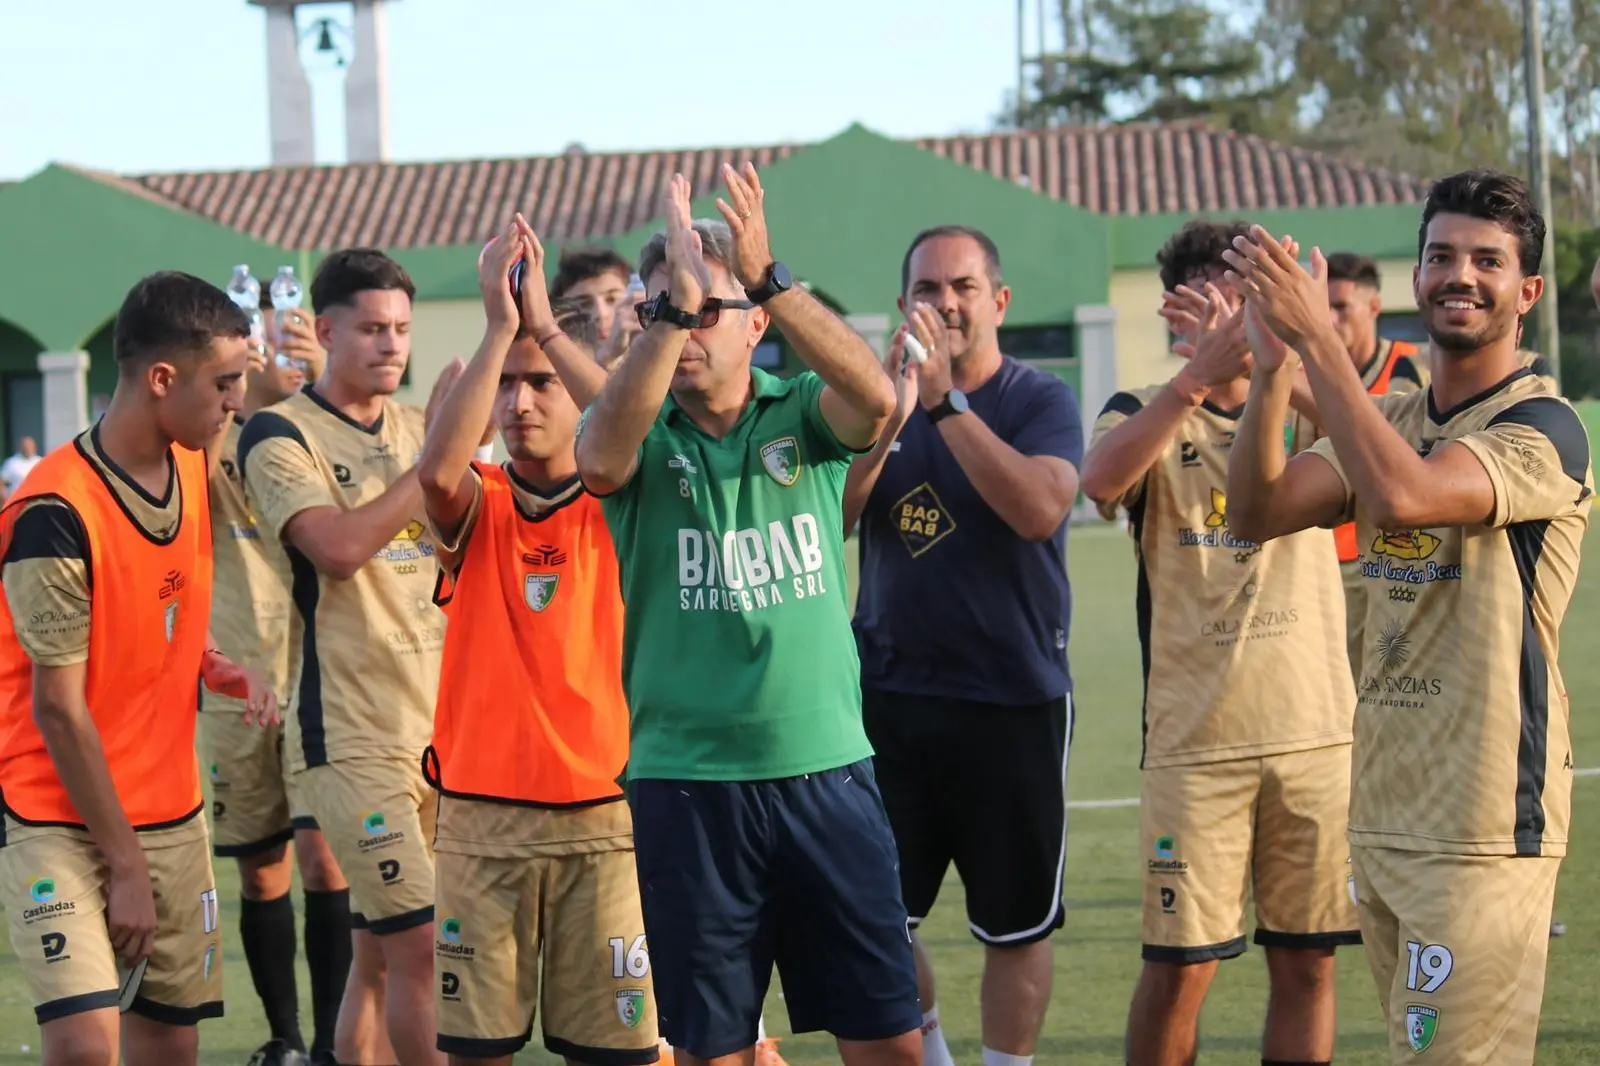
point(769, 286)
point(674, 316)
point(943, 410)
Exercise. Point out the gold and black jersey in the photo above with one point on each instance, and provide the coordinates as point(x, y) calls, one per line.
point(1461, 740)
point(46, 567)
point(370, 647)
point(251, 607)
point(1243, 643)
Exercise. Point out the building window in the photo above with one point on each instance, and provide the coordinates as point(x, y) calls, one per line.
point(1402, 326)
point(1038, 342)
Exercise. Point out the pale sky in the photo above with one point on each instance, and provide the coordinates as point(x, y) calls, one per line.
point(168, 85)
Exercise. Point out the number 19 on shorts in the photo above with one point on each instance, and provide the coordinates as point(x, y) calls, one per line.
point(1429, 967)
point(629, 961)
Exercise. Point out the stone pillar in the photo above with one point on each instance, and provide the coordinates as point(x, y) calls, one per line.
point(1097, 358)
point(288, 90)
point(875, 329)
point(66, 396)
point(366, 85)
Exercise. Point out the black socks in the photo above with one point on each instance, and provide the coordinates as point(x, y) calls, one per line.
point(266, 928)
point(328, 959)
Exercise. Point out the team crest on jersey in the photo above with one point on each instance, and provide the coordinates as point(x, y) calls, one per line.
point(172, 619)
point(781, 460)
point(630, 1006)
point(1422, 1025)
point(540, 589)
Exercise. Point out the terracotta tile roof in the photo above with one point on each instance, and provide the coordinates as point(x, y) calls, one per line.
point(1125, 170)
point(1155, 168)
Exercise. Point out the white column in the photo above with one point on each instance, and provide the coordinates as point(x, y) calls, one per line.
point(874, 329)
point(66, 396)
point(1097, 381)
point(288, 92)
point(366, 85)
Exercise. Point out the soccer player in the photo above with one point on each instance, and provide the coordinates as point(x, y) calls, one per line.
point(599, 277)
point(538, 900)
point(1248, 697)
point(760, 835)
point(332, 474)
point(968, 699)
point(253, 814)
point(105, 869)
point(1471, 500)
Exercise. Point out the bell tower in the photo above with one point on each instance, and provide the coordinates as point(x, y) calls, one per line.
point(366, 86)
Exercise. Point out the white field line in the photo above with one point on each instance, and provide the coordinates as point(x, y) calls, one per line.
point(1093, 805)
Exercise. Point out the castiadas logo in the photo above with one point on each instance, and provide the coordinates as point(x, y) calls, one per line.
point(43, 890)
point(373, 823)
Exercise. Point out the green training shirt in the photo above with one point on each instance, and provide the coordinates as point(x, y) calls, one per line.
point(738, 659)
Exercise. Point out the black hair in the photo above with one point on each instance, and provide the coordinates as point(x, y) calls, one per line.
point(1197, 247)
point(345, 274)
point(173, 315)
point(581, 264)
point(991, 253)
point(573, 319)
point(1348, 266)
point(1494, 197)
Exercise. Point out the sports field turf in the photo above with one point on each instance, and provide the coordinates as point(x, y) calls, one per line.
point(1097, 954)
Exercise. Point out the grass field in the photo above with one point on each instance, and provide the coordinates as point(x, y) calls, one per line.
point(1097, 954)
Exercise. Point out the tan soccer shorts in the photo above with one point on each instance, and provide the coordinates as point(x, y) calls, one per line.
point(581, 910)
point(1457, 945)
point(1215, 835)
point(378, 817)
point(53, 885)
point(253, 808)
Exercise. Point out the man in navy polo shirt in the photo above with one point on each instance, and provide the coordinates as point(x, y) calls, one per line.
point(961, 623)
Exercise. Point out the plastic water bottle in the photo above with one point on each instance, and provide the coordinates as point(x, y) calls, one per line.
point(244, 289)
point(635, 289)
point(246, 292)
point(286, 296)
point(286, 292)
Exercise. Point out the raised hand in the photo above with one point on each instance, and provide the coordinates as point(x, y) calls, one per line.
point(494, 277)
point(905, 374)
point(933, 377)
point(1185, 310)
point(1220, 352)
point(536, 313)
point(747, 218)
point(297, 340)
point(688, 277)
point(1290, 300)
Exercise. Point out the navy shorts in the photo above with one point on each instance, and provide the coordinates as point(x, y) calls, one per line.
point(801, 872)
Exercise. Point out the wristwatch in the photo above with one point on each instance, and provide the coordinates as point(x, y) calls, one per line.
point(954, 403)
point(660, 309)
point(778, 280)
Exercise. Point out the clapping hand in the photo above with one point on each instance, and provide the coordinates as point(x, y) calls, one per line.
point(494, 277)
point(1291, 301)
point(747, 218)
point(688, 277)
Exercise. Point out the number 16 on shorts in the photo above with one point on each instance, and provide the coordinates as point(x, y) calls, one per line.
point(629, 960)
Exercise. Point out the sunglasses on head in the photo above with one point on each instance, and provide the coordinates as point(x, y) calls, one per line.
point(710, 311)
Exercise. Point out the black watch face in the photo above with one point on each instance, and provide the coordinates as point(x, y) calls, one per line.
point(781, 278)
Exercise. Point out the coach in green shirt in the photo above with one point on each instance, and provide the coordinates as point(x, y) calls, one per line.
point(758, 827)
